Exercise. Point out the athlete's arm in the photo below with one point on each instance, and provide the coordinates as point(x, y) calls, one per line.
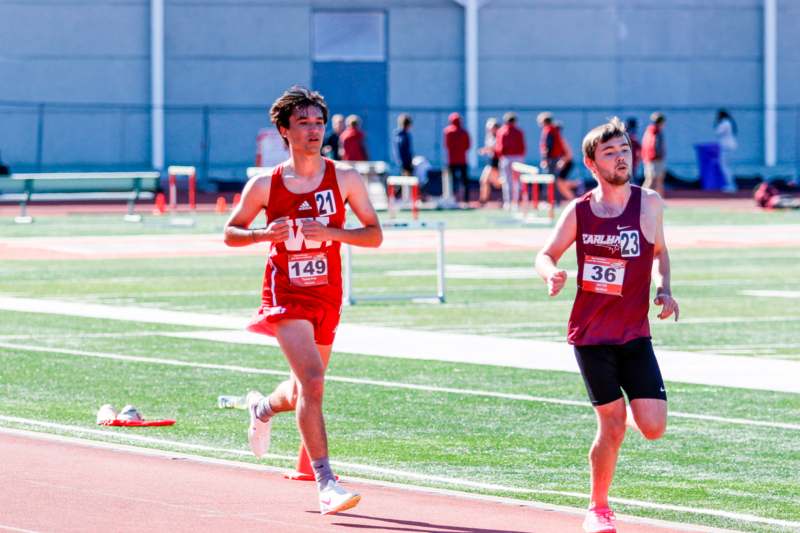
point(654, 211)
point(354, 192)
point(562, 238)
point(254, 198)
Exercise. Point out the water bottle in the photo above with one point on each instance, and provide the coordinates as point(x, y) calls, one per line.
point(231, 402)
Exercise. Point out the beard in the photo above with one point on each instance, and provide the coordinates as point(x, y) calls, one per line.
point(616, 177)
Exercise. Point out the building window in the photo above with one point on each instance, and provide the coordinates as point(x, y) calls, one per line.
point(349, 36)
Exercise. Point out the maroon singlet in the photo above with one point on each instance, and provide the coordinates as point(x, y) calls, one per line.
point(614, 267)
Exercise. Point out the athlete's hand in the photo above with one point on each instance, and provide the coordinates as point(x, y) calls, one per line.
point(556, 281)
point(670, 305)
point(277, 230)
point(314, 231)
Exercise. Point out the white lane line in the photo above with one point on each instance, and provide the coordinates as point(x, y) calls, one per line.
point(4, 527)
point(680, 366)
point(456, 482)
point(772, 294)
point(379, 383)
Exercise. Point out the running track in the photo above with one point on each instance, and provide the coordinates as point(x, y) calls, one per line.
point(68, 485)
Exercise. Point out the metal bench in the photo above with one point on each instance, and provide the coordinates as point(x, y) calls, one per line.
point(61, 186)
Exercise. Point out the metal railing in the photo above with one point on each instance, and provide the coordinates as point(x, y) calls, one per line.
point(220, 140)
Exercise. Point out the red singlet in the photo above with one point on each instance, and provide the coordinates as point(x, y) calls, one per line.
point(303, 278)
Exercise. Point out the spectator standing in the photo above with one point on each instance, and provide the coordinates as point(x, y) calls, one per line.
point(457, 142)
point(491, 171)
point(725, 129)
point(352, 141)
point(632, 126)
point(511, 148)
point(551, 148)
point(564, 166)
point(404, 150)
point(330, 147)
point(654, 153)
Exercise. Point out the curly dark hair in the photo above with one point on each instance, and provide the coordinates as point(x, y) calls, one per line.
point(296, 97)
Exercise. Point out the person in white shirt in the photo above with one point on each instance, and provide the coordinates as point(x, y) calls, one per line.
point(725, 129)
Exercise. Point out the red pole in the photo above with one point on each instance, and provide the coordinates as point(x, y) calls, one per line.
point(192, 191)
point(173, 192)
point(414, 198)
point(551, 197)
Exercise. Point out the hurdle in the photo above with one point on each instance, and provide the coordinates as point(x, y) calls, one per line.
point(374, 174)
point(405, 183)
point(529, 176)
point(174, 172)
point(351, 299)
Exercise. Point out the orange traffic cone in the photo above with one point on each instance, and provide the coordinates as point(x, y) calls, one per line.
point(160, 206)
point(236, 199)
point(304, 471)
point(222, 205)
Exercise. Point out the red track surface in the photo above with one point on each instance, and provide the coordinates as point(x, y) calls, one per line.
point(58, 486)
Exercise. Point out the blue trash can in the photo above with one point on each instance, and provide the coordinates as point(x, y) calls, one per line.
point(711, 177)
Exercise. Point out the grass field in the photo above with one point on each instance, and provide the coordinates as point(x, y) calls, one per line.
point(58, 369)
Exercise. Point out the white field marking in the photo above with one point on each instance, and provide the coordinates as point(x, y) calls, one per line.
point(474, 272)
point(379, 383)
point(680, 366)
point(731, 320)
point(773, 294)
point(464, 483)
point(120, 334)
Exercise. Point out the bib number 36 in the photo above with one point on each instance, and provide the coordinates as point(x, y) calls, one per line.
point(603, 275)
point(308, 270)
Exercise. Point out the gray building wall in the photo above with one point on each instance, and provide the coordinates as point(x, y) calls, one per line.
point(227, 60)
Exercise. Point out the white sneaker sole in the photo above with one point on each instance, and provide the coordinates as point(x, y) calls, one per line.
point(345, 505)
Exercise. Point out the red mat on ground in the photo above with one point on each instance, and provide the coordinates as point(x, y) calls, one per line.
point(137, 423)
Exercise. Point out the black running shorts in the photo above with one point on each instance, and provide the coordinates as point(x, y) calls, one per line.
point(609, 369)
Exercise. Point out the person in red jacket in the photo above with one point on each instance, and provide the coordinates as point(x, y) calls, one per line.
point(457, 142)
point(654, 154)
point(510, 147)
point(352, 141)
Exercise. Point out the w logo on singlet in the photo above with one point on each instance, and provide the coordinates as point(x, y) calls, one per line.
point(296, 238)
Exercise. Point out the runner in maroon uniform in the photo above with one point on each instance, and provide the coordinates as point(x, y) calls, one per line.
point(304, 202)
point(619, 236)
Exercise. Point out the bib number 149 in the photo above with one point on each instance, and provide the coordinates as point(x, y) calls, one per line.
point(308, 270)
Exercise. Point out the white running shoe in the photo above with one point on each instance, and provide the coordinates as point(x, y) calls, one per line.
point(334, 499)
point(258, 433)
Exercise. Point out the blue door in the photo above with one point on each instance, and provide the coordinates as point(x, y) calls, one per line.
point(357, 87)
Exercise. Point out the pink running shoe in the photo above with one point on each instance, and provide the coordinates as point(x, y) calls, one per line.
point(599, 520)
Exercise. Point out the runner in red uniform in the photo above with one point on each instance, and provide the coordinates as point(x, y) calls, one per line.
point(619, 235)
point(304, 201)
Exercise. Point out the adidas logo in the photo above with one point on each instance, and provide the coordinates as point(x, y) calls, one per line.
point(305, 206)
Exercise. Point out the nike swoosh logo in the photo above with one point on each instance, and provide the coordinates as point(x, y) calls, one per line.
point(620, 228)
point(326, 502)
